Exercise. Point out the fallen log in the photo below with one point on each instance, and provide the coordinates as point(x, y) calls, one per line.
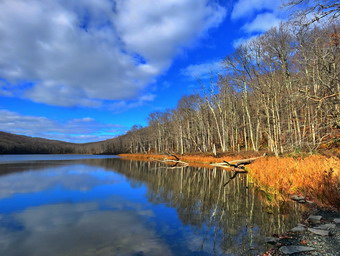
point(175, 162)
point(172, 161)
point(238, 164)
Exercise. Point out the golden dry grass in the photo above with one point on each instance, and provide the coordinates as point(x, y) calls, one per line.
point(316, 177)
point(142, 156)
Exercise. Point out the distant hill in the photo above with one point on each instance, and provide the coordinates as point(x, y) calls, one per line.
point(20, 144)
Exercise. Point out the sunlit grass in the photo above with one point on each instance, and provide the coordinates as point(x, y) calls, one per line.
point(143, 156)
point(316, 177)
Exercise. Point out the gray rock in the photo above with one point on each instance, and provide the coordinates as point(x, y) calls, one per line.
point(298, 229)
point(326, 226)
point(337, 221)
point(319, 232)
point(271, 240)
point(314, 218)
point(295, 249)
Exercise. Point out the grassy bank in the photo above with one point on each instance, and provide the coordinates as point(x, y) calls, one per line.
point(316, 177)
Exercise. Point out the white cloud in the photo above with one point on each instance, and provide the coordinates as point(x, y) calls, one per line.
point(159, 28)
point(243, 40)
point(244, 8)
point(147, 97)
point(123, 105)
point(86, 119)
point(84, 52)
point(261, 15)
point(203, 70)
point(262, 23)
point(76, 130)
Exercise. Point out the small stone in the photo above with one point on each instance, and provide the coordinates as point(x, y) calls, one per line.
point(326, 226)
point(320, 232)
point(337, 221)
point(295, 249)
point(301, 225)
point(314, 218)
point(298, 229)
point(271, 240)
point(297, 198)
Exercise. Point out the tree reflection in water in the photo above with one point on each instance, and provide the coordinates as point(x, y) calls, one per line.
point(234, 216)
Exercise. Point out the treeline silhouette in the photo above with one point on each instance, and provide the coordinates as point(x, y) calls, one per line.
point(19, 144)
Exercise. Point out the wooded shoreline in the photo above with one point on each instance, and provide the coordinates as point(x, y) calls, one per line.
point(314, 177)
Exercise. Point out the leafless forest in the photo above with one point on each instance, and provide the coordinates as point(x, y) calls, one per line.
point(278, 92)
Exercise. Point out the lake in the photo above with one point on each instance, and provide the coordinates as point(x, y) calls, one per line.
point(103, 205)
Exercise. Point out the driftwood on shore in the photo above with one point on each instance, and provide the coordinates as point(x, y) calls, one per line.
point(177, 163)
point(172, 161)
point(238, 165)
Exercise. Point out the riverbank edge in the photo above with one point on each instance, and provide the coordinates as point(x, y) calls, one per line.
point(262, 168)
point(318, 235)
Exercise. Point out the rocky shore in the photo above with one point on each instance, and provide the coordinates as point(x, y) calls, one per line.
point(318, 234)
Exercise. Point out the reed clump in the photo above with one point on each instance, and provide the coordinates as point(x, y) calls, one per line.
point(315, 177)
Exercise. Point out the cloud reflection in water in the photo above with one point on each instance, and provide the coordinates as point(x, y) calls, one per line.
point(81, 229)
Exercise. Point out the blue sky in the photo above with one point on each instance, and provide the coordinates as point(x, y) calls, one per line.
point(88, 70)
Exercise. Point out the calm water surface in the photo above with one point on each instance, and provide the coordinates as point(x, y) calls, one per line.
point(96, 205)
